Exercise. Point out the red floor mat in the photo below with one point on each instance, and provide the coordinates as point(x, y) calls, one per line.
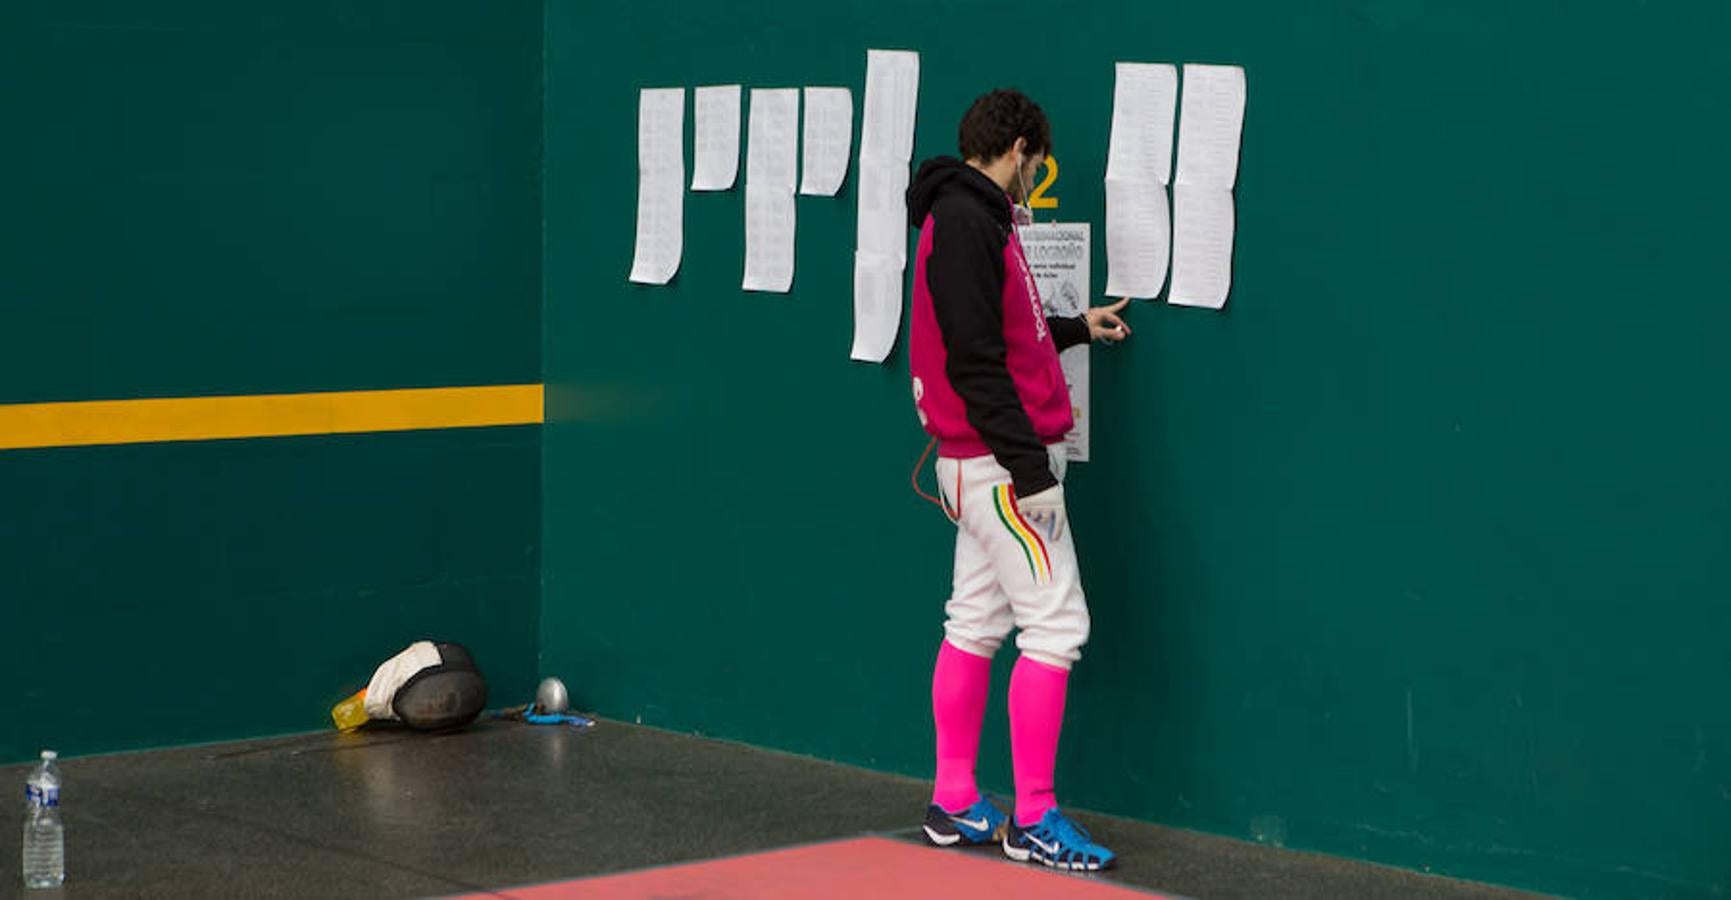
point(875, 868)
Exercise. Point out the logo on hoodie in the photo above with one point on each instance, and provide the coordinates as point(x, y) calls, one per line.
point(1033, 292)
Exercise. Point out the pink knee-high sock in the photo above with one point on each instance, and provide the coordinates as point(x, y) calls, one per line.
point(1036, 717)
point(960, 681)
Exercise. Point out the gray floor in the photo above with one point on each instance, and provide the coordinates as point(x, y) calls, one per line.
point(393, 814)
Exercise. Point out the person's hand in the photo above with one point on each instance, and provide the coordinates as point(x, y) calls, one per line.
point(1044, 510)
point(1104, 324)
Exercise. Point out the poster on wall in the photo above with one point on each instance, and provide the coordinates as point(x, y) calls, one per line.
point(1058, 255)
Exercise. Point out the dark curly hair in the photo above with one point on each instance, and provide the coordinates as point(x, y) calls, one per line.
point(993, 123)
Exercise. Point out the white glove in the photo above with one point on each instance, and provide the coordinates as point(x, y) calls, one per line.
point(1045, 510)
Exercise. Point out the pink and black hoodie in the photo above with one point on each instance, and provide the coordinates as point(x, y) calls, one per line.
point(983, 354)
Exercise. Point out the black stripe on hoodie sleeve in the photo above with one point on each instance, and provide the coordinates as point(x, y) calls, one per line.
point(965, 274)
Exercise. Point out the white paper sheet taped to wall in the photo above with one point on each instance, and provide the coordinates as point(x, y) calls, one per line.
point(886, 149)
point(772, 153)
point(717, 138)
point(771, 168)
point(769, 240)
point(1211, 126)
point(1144, 102)
point(828, 140)
point(660, 185)
point(883, 210)
point(892, 92)
point(1202, 245)
point(877, 292)
point(1138, 170)
point(1138, 238)
point(1210, 130)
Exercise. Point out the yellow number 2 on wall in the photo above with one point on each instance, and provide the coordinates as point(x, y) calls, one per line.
point(1038, 199)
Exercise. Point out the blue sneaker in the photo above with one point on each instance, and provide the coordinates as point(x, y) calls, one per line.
point(978, 824)
point(1059, 842)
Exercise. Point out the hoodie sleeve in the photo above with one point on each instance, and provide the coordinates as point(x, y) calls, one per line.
point(965, 275)
point(1068, 331)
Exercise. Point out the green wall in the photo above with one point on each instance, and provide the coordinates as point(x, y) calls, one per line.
point(203, 198)
point(1418, 547)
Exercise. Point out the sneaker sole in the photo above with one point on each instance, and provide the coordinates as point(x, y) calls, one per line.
point(1022, 854)
point(940, 840)
point(950, 840)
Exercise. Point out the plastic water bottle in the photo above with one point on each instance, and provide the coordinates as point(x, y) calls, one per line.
point(44, 836)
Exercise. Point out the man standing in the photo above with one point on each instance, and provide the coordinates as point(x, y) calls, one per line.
point(989, 388)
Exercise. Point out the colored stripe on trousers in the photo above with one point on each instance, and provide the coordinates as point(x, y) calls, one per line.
point(1039, 562)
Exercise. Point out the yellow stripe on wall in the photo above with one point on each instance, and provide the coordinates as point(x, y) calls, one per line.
point(90, 422)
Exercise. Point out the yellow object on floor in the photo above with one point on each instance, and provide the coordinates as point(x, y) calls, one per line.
point(351, 713)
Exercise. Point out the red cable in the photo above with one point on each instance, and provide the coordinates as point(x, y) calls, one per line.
point(916, 477)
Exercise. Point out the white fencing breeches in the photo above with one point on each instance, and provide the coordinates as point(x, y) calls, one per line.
point(1009, 574)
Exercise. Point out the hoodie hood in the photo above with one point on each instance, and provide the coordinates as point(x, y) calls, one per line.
point(946, 173)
